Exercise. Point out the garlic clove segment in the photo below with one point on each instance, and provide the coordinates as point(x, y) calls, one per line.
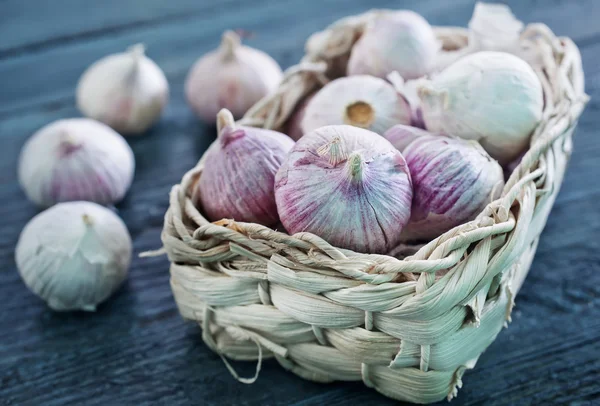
point(493, 97)
point(348, 186)
point(74, 255)
point(75, 159)
point(233, 77)
point(361, 101)
point(453, 181)
point(126, 91)
point(239, 173)
point(400, 41)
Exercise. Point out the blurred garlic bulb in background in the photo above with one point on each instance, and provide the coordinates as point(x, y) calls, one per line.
point(127, 91)
point(75, 159)
point(361, 101)
point(233, 77)
point(74, 255)
point(493, 97)
point(401, 41)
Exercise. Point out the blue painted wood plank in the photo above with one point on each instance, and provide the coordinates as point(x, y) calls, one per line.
point(79, 20)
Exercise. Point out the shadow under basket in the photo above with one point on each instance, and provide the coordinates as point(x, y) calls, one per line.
point(408, 328)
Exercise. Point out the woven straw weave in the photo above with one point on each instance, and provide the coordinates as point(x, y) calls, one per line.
point(407, 327)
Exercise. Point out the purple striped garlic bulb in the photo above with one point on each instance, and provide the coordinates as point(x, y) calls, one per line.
point(239, 173)
point(402, 135)
point(453, 181)
point(401, 41)
point(347, 185)
point(361, 101)
point(75, 159)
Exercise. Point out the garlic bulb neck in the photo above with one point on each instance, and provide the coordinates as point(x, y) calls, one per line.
point(226, 129)
point(229, 43)
point(334, 150)
point(228, 135)
point(359, 114)
point(355, 165)
point(68, 144)
point(137, 52)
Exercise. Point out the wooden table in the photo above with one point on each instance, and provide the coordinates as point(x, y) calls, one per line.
point(136, 349)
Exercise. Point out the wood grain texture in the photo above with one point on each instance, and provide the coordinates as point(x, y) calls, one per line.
point(136, 349)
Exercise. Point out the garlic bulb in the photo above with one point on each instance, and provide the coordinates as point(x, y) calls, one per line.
point(75, 159)
point(346, 185)
point(453, 181)
point(74, 255)
point(126, 91)
point(493, 97)
point(362, 101)
point(402, 135)
point(401, 41)
point(233, 76)
point(239, 173)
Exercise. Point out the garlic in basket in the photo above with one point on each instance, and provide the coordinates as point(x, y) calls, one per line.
point(127, 91)
point(346, 185)
point(493, 97)
point(453, 181)
point(361, 101)
point(75, 159)
point(239, 173)
point(234, 77)
point(401, 41)
point(74, 255)
point(294, 125)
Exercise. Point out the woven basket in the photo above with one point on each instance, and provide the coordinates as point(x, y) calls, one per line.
point(407, 327)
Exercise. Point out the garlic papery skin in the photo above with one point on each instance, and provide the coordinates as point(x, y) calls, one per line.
point(294, 126)
point(74, 255)
point(239, 173)
point(233, 77)
point(75, 159)
point(346, 185)
point(453, 181)
point(401, 41)
point(492, 97)
point(126, 91)
point(402, 135)
point(361, 101)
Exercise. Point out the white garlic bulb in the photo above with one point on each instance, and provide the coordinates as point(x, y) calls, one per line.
point(493, 97)
point(233, 77)
point(362, 101)
point(74, 255)
point(401, 41)
point(75, 159)
point(127, 91)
